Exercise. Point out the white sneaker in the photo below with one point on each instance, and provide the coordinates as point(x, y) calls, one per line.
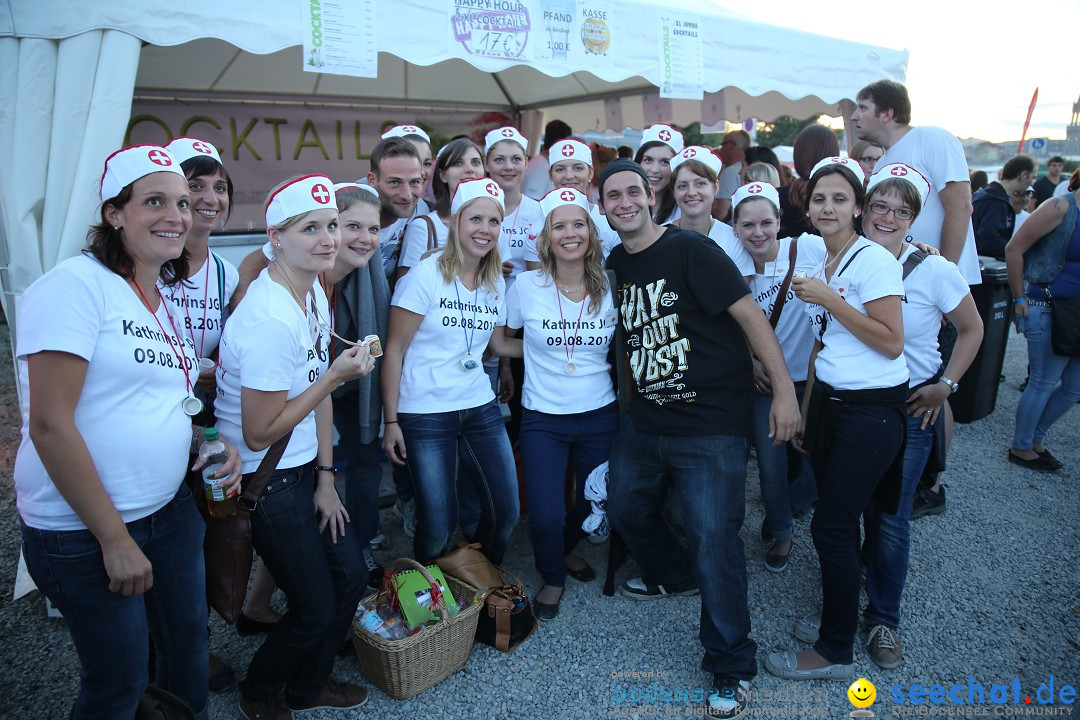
point(379, 541)
point(406, 512)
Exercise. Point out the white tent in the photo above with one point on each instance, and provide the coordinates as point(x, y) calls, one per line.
point(68, 74)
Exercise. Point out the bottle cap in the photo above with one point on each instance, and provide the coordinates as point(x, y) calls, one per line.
point(210, 434)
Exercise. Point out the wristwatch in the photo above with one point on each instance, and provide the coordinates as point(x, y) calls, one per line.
point(954, 386)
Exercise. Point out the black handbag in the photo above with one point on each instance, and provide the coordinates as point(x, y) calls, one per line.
point(1064, 325)
point(507, 618)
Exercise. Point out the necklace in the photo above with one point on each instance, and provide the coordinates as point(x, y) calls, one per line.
point(569, 347)
point(570, 290)
point(192, 405)
point(825, 267)
point(311, 310)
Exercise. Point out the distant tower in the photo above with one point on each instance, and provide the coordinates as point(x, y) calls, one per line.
point(1072, 133)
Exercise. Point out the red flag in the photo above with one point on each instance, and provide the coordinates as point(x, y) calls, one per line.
point(1031, 109)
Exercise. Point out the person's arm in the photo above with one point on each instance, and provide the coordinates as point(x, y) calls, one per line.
point(969, 335)
point(249, 269)
point(881, 329)
point(56, 383)
point(328, 505)
point(403, 326)
point(530, 265)
point(811, 376)
point(784, 413)
point(1045, 218)
point(504, 344)
point(956, 199)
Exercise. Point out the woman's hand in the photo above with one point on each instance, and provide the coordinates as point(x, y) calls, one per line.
point(506, 381)
point(812, 290)
point(1020, 318)
point(926, 402)
point(356, 362)
point(393, 443)
point(231, 468)
point(797, 438)
point(329, 509)
point(130, 573)
point(507, 268)
point(761, 378)
point(928, 249)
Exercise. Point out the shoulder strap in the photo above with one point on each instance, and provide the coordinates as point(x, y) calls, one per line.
point(781, 297)
point(850, 259)
point(249, 498)
point(622, 371)
point(432, 238)
point(221, 289)
point(913, 261)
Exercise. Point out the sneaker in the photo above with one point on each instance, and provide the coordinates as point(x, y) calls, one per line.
point(928, 502)
point(336, 696)
point(379, 541)
point(375, 573)
point(730, 698)
point(645, 589)
point(886, 650)
point(406, 512)
point(270, 708)
point(776, 563)
point(807, 629)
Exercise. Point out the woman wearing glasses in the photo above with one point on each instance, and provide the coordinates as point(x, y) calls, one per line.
point(866, 154)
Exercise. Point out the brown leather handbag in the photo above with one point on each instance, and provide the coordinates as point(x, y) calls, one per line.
point(227, 545)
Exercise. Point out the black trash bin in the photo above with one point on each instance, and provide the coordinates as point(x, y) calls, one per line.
point(979, 386)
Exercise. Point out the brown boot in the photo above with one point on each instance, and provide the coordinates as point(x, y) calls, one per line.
point(335, 696)
point(270, 708)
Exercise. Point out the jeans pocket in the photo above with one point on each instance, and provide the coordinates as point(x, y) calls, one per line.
point(72, 545)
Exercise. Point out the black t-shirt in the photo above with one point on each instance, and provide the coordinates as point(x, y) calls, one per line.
point(1044, 189)
point(689, 362)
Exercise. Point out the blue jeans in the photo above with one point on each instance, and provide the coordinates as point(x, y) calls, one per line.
point(888, 537)
point(547, 441)
point(110, 631)
point(363, 474)
point(1052, 389)
point(866, 438)
point(436, 443)
point(323, 582)
point(468, 499)
point(709, 472)
point(777, 493)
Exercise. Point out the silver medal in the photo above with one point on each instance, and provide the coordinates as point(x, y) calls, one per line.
point(570, 367)
point(192, 406)
point(469, 363)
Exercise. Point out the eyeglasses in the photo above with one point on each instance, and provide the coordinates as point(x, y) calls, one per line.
point(1022, 193)
point(869, 158)
point(882, 209)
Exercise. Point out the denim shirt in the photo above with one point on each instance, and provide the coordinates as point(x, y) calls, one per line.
point(1045, 259)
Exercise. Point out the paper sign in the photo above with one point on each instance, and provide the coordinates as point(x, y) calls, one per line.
point(339, 37)
point(578, 31)
point(682, 72)
point(492, 28)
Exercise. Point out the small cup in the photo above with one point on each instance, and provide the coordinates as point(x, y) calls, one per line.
point(206, 367)
point(801, 274)
point(374, 345)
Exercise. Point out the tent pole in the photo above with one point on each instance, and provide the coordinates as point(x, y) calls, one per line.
point(514, 107)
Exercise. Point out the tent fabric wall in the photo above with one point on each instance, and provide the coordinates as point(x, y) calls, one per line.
point(67, 103)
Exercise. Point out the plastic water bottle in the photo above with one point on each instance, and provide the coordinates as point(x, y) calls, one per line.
point(213, 454)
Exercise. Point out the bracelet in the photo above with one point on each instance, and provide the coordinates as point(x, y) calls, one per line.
point(389, 422)
point(1017, 301)
point(196, 434)
point(328, 468)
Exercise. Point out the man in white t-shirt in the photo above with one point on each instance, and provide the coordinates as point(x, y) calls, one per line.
point(732, 153)
point(883, 117)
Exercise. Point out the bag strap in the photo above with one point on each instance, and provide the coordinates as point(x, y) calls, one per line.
point(432, 238)
point(249, 498)
point(913, 261)
point(851, 259)
point(622, 372)
point(781, 299)
point(221, 288)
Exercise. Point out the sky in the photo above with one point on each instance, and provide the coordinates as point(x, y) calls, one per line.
point(972, 67)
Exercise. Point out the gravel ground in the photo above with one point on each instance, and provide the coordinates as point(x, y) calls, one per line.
point(992, 593)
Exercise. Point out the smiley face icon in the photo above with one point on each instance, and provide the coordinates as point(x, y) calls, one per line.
point(862, 693)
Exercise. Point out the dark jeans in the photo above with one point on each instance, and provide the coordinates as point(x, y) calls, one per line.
point(865, 440)
point(110, 631)
point(888, 537)
point(776, 464)
point(476, 438)
point(709, 472)
point(322, 581)
point(362, 470)
point(547, 441)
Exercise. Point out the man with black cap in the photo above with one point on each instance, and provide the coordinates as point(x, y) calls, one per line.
point(688, 317)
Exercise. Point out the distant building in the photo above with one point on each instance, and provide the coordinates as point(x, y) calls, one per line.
point(981, 154)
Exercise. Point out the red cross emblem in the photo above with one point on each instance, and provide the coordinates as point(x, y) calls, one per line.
point(200, 146)
point(690, 152)
point(755, 188)
point(568, 150)
point(159, 157)
point(664, 135)
point(492, 189)
point(899, 171)
point(409, 130)
point(508, 132)
point(842, 161)
point(319, 193)
point(567, 195)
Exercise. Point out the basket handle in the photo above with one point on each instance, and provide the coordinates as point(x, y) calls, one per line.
point(410, 564)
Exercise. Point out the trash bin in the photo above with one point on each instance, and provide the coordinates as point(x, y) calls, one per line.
point(979, 386)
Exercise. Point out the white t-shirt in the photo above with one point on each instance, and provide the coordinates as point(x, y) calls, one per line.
point(1061, 189)
point(933, 288)
point(519, 231)
point(552, 339)
point(722, 234)
point(457, 322)
point(845, 362)
point(270, 344)
point(537, 183)
point(793, 329)
point(199, 306)
point(416, 239)
point(129, 411)
point(389, 238)
point(939, 156)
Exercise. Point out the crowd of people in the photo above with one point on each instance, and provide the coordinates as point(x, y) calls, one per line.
point(822, 319)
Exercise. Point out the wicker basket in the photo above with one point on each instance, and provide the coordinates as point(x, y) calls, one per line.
point(407, 667)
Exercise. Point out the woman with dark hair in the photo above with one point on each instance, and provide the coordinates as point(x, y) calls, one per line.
point(761, 154)
point(568, 316)
point(109, 528)
point(854, 409)
point(660, 143)
point(813, 144)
